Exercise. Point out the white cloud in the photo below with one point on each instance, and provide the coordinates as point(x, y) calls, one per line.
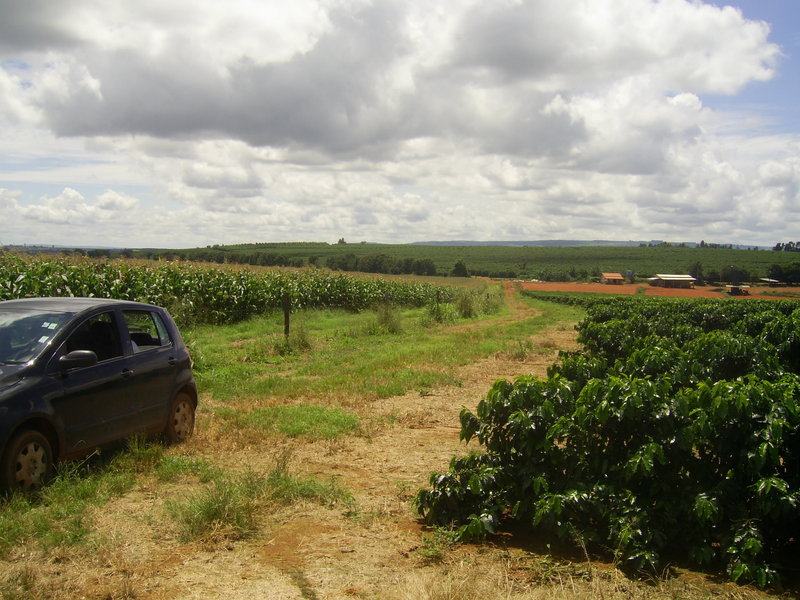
point(69, 208)
point(115, 201)
point(390, 120)
point(8, 200)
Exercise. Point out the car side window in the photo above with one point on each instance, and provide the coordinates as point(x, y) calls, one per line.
point(98, 334)
point(146, 330)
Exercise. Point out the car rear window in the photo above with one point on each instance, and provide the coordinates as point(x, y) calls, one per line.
point(25, 333)
point(146, 329)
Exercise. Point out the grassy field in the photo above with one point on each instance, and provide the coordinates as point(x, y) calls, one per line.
point(540, 262)
point(299, 479)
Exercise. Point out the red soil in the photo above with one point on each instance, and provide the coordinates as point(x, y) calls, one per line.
point(649, 290)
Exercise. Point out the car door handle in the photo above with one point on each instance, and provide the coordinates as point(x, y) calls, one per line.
point(127, 373)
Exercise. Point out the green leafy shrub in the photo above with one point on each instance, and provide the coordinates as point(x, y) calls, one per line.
point(647, 445)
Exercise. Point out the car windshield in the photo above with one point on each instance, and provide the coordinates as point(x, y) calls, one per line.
point(25, 333)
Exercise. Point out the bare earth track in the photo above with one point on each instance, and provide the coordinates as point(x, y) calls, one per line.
point(369, 549)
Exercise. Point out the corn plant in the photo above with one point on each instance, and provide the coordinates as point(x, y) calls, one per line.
point(204, 294)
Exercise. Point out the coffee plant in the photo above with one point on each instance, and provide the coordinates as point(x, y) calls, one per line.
point(673, 436)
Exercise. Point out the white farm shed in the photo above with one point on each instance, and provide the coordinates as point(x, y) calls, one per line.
point(672, 281)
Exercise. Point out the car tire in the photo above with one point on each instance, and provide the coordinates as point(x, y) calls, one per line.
point(181, 419)
point(27, 464)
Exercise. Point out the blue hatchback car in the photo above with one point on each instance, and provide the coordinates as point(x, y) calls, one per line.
point(78, 373)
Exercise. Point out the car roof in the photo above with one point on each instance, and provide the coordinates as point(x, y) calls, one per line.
point(70, 304)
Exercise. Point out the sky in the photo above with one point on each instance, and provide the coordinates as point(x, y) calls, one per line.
point(196, 122)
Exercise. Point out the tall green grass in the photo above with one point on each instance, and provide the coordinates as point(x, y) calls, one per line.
point(61, 515)
point(352, 357)
point(231, 505)
point(308, 421)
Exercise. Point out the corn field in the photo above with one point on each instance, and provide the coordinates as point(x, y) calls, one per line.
point(203, 294)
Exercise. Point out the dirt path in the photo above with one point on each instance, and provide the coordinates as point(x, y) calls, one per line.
point(318, 553)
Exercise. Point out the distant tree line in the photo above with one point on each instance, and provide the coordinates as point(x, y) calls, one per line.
point(264, 259)
point(702, 244)
point(787, 247)
point(381, 263)
point(789, 273)
point(374, 263)
point(730, 274)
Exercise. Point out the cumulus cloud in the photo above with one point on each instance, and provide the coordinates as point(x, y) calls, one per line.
point(8, 199)
point(356, 80)
point(396, 120)
point(70, 207)
point(35, 24)
point(115, 201)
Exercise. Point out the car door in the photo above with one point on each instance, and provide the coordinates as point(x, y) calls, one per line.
point(153, 366)
point(94, 406)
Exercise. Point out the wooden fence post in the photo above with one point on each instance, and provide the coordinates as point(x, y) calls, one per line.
point(287, 309)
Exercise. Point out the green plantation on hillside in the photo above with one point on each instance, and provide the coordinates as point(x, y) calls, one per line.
point(548, 263)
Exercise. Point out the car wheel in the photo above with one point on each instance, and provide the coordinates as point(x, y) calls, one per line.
point(181, 419)
point(28, 462)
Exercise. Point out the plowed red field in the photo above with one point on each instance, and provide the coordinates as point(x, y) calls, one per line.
point(649, 290)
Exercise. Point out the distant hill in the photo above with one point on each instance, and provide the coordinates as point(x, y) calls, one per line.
point(546, 260)
point(551, 260)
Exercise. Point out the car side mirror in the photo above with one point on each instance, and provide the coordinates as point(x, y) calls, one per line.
point(77, 359)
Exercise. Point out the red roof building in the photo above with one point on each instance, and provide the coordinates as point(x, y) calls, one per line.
point(613, 278)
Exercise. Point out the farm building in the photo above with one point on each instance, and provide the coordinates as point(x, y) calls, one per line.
point(613, 278)
point(672, 281)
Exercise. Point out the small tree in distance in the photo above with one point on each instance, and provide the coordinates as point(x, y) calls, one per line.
point(696, 271)
point(460, 269)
